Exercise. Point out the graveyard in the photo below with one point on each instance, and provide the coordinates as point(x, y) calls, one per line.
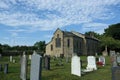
point(59, 70)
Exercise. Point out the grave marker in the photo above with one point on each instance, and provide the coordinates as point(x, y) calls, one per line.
point(76, 66)
point(11, 59)
point(0, 67)
point(47, 62)
point(91, 63)
point(5, 68)
point(23, 74)
point(113, 58)
point(36, 67)
point(118, 59)
point(102, 59)
point(115, 73)
point(29, 57)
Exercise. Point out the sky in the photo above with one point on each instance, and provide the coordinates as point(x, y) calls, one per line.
point(25, 22)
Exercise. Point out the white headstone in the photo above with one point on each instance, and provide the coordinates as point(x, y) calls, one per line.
point(91, 63)
point(23, 74)
point(76, 66)
point(29, 57)
point(11, 58)
point(102, 59)
point(13, 61)
point(36, 65)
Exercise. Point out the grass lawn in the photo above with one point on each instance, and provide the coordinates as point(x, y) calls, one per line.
point(57, 72)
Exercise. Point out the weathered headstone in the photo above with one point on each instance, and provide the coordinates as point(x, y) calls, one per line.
point(36, 67)
point(118, 59)
point(23, 74)
point(0, 55)
point(29, 57)
point(11, 59)
point(113, 58)
point(115, 73)
point(91, 63)
point(47, 62)
point(0, 67)
point(5, 68)
point(76, 66)
point(102, 59)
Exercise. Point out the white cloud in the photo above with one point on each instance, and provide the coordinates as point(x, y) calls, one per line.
point(97, 27)
point(57, 13)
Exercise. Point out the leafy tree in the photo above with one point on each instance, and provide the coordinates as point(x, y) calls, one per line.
point(91, 33)
point(110, 42)
point(40, 45)
point(113, 31)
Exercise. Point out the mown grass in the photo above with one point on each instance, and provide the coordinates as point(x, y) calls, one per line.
point(62, 72)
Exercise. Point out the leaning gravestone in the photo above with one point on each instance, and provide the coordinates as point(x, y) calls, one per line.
point(76, 66)
point(102, 59)
point(23, 73)
point(36, 67)
point(47, 62)
point(115, 73)
point(91, 63)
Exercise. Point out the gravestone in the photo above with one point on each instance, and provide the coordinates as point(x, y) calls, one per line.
point(47, 62)
point(91, 63)
point(29, 57)
point(76, 66)
point(5, 68)
point(0, 67)
point(0, 55)
point(11, 59)
point(102, 59)
point(115, 73)
point(36, 67)
point(23, 73)
point(118, 59)
point(14, 61)
point(113, 58)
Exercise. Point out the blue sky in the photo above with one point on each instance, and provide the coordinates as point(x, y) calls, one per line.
point(24, 22)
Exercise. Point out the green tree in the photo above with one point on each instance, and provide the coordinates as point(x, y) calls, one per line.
point(110, 42)
point(113, 31)
point(40, 46)
point(91, 33)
